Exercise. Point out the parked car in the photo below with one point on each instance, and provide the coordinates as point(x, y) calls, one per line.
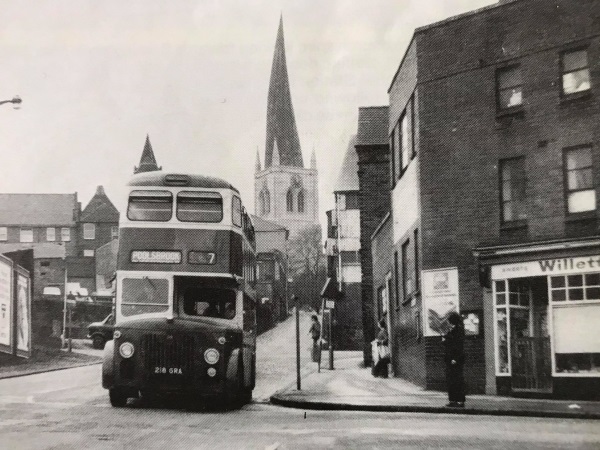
point(100, 332)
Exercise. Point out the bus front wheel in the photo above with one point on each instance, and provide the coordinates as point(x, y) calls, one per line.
point(117, 397)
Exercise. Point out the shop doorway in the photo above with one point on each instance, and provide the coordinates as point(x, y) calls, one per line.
point(530, 340)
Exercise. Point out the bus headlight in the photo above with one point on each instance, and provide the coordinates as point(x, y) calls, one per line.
point(211, 356)
point(126, 350)
point(116, 334)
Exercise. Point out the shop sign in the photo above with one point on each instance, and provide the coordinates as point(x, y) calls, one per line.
point(440, 297)
point(543, 267)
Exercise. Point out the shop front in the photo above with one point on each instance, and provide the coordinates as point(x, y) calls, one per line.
point(546, 322)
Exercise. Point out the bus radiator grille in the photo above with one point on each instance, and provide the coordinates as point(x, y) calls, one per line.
point(169, 357)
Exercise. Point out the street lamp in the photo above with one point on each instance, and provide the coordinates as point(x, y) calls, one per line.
point(16, 100)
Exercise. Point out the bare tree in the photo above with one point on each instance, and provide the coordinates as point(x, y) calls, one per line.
point(307, 265)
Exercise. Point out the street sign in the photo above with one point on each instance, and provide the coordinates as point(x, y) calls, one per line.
point(330, 304)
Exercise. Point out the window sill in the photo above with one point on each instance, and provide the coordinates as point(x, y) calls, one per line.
point(568, 99)
point(515, 111)
point(576, 217)
point(513, 225)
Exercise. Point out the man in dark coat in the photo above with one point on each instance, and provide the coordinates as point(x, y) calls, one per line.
point(455, 358)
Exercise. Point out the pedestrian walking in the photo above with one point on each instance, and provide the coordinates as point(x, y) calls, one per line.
point(383, 351)
point(315, 332)
point(454, 341)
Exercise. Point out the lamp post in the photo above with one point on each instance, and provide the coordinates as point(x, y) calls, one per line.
point(16, 100)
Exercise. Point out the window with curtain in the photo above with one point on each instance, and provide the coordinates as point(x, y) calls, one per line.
point(513, 189)
point(579, 184)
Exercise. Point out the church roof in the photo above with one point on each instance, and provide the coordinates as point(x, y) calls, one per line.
point(281, 123)
point(261, 224)
point(348, 177)
point(147, 161)
point(38, 209)
point(372, 125)
point(100, 209)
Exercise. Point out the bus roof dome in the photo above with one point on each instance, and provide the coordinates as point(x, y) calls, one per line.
point(159, 178)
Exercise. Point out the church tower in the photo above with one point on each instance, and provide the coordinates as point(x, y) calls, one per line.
point(285, 191)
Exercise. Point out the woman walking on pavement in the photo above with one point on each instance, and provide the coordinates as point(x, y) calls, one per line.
point(315, 332)
point(455, 358)
point(381, 367)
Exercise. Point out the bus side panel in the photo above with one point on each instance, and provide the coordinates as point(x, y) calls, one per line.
point(184, 240)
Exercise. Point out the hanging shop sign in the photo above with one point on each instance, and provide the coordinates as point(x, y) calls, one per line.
point(543, 267)
point(440, 297)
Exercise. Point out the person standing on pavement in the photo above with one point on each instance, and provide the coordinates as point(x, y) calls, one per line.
point(315, 332)
point(381, 366)
point(454, 342)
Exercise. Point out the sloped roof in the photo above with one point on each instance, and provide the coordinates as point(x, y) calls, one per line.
point(348, 177)
point(100, 209)
point(40, 250)
point(38, 209)
point(147, 161)
point(372, 125)
point(261, 224)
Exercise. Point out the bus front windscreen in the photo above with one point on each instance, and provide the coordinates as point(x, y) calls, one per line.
point(195, 206)
point(153, 206)
point(144, 296)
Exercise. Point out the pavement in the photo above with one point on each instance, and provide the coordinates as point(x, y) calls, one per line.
point(50, 359)
point(351, 387)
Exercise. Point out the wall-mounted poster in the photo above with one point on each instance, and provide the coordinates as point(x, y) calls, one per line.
point(23, 316)
point(440, 298)
point(5, 305)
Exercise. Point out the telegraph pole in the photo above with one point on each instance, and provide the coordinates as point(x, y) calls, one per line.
point(297, 307)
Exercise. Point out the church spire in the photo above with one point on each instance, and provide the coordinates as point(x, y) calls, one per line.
point(147, 161)
point(257, 164)
point(281, 123)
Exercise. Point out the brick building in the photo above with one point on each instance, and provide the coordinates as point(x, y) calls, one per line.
point(373, 176)
point(343, 254)
point(495, 171)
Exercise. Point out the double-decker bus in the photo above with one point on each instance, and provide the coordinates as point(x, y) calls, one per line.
point(185, 301)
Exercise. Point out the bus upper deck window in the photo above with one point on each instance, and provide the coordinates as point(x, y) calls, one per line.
point(150, 206)
point(194, 206)
point(236, 211)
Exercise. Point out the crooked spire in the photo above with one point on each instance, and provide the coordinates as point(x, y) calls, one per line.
point(281, 123)
point(147, 161)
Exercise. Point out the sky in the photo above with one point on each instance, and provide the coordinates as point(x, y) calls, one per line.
point(96, 77)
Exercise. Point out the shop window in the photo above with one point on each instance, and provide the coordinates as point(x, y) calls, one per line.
point(509, 88)
point(577, 363)
point(3, 233)
point(574, 288)
point(575, 72)
point(580, 192)
point(513, 190)
point(89, 231)
point(26, 235)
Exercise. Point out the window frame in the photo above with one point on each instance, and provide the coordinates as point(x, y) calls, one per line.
point(198, 194)
point(140, 193)
point(499, 90)
point(406, 295)
point(65, 234)
point(236, 213)
point(21, 231)
point(114, 232)
point(289, 199)
point(300, 201)
point(567, 191)
point(89, 253)
point(502, 202)
point(3, 234)
point(87, 233)
point(561, 68)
